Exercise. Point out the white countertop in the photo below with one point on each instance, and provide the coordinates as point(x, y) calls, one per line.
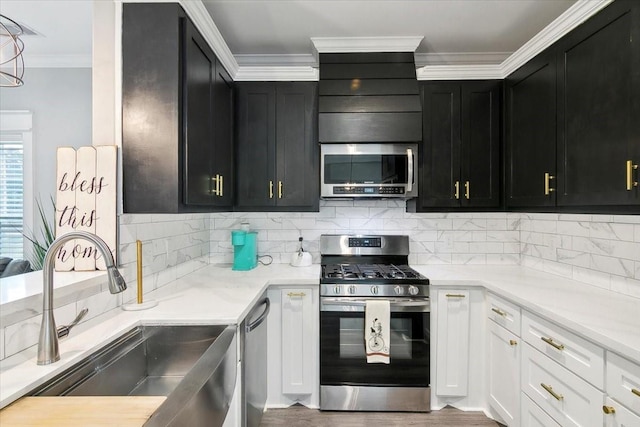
point(609, 319)
point(214, 295)
point(218, 295)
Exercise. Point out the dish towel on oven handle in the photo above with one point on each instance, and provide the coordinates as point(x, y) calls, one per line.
point(376, 331)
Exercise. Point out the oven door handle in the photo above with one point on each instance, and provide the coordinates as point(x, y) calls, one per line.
point(396, 302)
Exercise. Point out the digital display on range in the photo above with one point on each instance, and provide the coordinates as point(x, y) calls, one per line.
point(365, 242)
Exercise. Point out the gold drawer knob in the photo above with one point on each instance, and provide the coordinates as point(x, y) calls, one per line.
point(635, 391)
point(513, 342)
point(608, 409)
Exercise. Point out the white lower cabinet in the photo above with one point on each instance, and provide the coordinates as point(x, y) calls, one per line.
point(623, 381)
point(452, 338)
point(567, 398)
point(292, 350)
point(532, 416)
point(504, 374)
point(616, 415)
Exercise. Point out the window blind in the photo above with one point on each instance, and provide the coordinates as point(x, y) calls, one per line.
point(11, 195)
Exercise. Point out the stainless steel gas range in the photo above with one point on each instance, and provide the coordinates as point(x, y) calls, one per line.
point(357, 268)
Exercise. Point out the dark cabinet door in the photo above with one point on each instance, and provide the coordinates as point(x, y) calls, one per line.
point(222, 169)
point(480, 154)
point(256, 117)
point(531, 133)
point(199, 71)
point(277, 150)
point(297, 171)
point(598, 108)
point(441, 146)
point(459, 157)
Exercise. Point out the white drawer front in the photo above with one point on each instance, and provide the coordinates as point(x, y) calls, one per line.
point(569, 400)
point(619, 416)
point(533, 416)
point(623, 381)
point(504, 313)
point(576, 354)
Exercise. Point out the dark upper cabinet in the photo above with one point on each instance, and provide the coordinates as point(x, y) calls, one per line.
point(177, 115)
point(459, 156)
point(222, 169)
point(277, 146)
point(530, 110)
point(199, 71)
point(599, 109)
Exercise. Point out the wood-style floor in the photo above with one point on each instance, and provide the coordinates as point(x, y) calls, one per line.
point(299, 416)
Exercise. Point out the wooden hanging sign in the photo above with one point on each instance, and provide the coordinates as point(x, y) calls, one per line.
point(85, 201)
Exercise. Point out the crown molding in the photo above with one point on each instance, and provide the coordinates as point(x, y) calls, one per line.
point(283, 73)
point(58, 61)
point(202, 20)
point(570, 19)
point(366, 44)
point(459, 72)
point(260, 60)
point(460, 58)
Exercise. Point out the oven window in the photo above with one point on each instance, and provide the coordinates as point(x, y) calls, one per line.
point(352, 341)
point(365, 169)
point(342, 353)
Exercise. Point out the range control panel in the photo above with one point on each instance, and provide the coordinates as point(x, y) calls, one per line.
point(365, 242)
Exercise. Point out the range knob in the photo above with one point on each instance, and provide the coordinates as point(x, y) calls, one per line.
point(413, 290)
point(337, 290)
point(399, 290)
point(352, 289)
point(374, 290)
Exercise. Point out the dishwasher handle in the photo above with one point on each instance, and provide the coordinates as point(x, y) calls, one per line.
point(250, 327)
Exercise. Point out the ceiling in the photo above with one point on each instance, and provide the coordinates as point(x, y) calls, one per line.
point(63, 27)
point(277, 32)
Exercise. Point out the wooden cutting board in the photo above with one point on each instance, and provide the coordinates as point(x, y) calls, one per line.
point(122, 411)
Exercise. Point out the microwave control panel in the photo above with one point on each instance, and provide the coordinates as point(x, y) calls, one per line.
point(346, 190)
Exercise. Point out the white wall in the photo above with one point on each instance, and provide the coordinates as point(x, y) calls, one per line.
point(60, 100)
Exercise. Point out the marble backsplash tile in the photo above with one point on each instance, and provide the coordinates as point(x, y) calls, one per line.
point(601, 250)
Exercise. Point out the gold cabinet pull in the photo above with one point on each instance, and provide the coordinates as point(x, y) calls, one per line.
point(221, 180)
point(547, 183)
point(457, 187)
point(608, 409)
point(296, 294)
point(549, 390)
point(279, 189)
point(499, 312)
point(455, 295)
point(630, 168)
point(635, 391)
point(271, 189)
point(216, 191)
point(467, 189)
point(552, 343)
point(513, 342)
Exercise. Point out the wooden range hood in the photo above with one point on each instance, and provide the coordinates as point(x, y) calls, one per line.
point(369, 97)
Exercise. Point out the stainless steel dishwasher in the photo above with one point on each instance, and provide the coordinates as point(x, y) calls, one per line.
point(254, 363)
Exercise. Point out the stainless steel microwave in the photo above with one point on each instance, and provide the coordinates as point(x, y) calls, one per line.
point(368, 170)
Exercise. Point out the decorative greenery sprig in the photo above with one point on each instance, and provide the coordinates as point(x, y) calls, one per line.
point(40, 245)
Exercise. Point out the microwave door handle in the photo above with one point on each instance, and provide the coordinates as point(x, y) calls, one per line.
point(410, 172)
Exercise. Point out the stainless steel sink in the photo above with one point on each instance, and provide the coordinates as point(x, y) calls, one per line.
point(194, 366)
